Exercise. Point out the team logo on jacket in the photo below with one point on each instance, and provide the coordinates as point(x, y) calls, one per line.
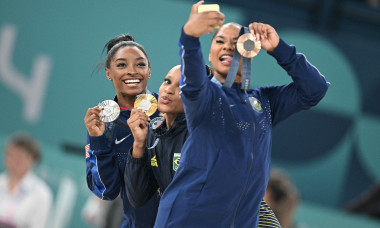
point(153, 161)
point(256, 105)
point(156, 122)
point(176, 158)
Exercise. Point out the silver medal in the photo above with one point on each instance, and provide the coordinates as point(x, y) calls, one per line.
point(110, 112)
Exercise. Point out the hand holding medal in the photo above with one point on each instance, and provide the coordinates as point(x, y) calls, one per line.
point(266, 34)
point(110, 110)
point(110, 113)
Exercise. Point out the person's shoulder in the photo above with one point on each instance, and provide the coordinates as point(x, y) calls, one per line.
point(155, 94)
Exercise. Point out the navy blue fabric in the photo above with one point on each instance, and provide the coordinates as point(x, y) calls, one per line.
point(144, 177)
point(225, 161)
point(105, 172)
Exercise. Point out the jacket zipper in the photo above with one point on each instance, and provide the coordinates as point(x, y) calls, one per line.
point(246, 181)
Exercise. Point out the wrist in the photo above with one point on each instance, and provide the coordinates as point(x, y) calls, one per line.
point(139, 145)
point(275, 45)
point(138, 149)
point(186, 30)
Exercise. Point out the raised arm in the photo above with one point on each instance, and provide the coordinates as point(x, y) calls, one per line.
point(308, 87)
point(193, 67)
point(194, 78)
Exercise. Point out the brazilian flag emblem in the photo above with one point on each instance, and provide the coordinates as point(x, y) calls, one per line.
point(256, 105)
point(176, 158)
point(153, 161)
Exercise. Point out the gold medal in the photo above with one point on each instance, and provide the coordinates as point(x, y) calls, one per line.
point(247, 45)
point(147, 103)
point(110, 112)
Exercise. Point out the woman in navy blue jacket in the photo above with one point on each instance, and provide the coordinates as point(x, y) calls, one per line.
point(225, 161)
point(127, 66)
point(155, 156)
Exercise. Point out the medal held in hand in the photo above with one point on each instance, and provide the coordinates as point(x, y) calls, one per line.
point(110, 112)
point(147, 103)
point(246, 47)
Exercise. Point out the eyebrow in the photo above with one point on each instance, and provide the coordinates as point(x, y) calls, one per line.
point(120, 59)
point(124, 59)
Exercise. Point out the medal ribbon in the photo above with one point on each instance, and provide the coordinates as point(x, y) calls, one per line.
point(246, 77)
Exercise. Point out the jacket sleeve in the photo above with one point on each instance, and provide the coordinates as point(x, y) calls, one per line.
point(102, 172)
point(309, 86)
point(140, 183)
point(194, 83)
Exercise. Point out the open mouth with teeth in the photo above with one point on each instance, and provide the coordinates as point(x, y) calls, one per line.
point(132, 81)
point(226, 59)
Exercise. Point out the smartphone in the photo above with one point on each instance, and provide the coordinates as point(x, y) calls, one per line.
point(208, 7)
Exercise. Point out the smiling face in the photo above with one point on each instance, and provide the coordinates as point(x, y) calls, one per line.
point(169, 101)
point(129, 71)
point(222, 49)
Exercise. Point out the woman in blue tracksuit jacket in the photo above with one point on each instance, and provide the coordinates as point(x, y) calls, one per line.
point(225, 161)
point(127, 67)
point(151, 168)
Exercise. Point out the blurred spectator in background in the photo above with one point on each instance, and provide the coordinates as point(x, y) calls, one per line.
point(282, 197)
point(373, 3)
point(103, 213)
point(25, 199)
point(367, 204)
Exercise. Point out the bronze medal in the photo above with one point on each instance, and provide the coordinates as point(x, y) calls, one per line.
point(247, 45)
